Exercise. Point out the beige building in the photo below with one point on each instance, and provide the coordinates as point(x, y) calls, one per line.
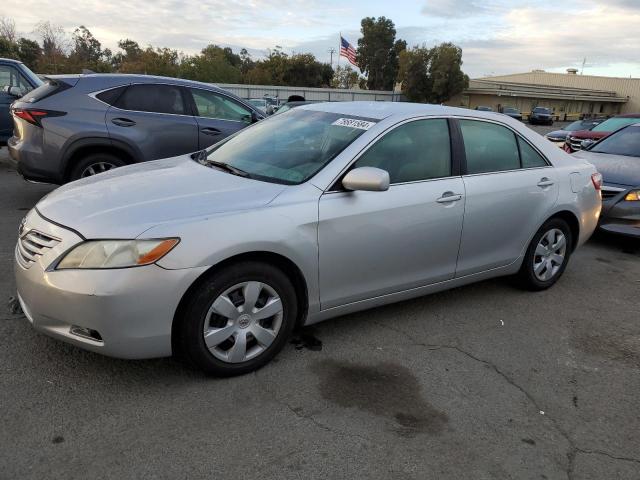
point(568, 95)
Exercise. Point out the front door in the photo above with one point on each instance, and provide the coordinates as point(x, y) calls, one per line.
point(218, 116)
point(9, 77)
point(375, 243)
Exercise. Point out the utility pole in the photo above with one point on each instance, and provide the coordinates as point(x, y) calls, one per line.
point(583, 62)
point(331, 52)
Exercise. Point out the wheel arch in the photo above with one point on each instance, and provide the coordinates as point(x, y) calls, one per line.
point(88, 146)
point(573, 222)
point(275, 259)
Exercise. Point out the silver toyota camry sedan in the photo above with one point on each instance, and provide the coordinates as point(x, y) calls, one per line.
point(321, 211)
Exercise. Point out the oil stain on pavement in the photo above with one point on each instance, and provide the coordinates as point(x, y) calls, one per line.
point(385, 390)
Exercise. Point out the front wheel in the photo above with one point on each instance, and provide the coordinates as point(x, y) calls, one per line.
point(238, 319)
point(547, 255)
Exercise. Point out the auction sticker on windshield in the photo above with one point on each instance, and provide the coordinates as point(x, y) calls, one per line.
point(354, 123)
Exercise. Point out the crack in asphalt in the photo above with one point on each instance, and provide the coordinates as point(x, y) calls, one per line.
point(573, 448)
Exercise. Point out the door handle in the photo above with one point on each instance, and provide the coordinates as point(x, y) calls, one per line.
point(211, 131)
point(123, 122)
point(545, 182)
point(448, 197)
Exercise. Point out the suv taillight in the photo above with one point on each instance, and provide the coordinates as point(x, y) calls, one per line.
point(35, 116)
point(596, 178)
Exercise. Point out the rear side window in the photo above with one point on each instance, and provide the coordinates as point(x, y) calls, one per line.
point(530, 157)
point(152, 98)
point(415, 151)
point(111, 96)
point(489, 147)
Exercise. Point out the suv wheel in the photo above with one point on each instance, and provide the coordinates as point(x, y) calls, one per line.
point(94, 164)
point(547, 255)
point(237, 320)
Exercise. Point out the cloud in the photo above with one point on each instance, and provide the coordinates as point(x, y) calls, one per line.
point(455, 8)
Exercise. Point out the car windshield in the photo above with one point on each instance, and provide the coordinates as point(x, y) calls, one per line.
point(625, 142)
point(289, 148)
point(615, 123)
point(579, 125)
point(541, 110)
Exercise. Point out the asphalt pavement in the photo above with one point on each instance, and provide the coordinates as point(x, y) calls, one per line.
point(481, 382)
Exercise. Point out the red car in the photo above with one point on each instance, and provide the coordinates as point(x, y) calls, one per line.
point(574, 140)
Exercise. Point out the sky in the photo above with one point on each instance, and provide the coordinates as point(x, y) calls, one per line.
point(497, 36)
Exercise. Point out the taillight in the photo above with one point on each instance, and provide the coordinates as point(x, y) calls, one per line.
point(34, 116)
point(596, 178)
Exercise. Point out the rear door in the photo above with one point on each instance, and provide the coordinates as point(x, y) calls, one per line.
point(154, 118)
point(9, 77)
point(217, 115)
point(510, 189)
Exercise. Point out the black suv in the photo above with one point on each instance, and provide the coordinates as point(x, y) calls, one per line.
point(15, 81)
point(74, 126)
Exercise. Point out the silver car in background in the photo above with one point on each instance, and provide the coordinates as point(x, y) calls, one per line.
point(321, 211)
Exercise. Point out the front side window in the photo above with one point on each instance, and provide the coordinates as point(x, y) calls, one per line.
point(625, 142)
point(489, 147)
point(152, 98)
point(418, 150)
point(289, 148)
point(212, 105)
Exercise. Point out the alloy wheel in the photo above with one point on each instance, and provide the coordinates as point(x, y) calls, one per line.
point(550, 254)
point(243, 322)
point(96, 168)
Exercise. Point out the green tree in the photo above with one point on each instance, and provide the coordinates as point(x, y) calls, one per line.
point(8, 49)
point(446, 72)
point(87, 52)
point(344, 77)
point(432, 75)
point(378, 52)
point(54, 47)
point(29, 52)
point(213, 64)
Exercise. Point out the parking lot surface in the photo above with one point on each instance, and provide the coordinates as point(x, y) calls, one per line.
point(481, 382)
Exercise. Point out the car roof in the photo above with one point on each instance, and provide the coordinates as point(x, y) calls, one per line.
point(381, 110)
point(628, 115)
point(10, 60)
point(139, 78)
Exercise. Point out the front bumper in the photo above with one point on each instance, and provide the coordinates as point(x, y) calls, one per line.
point(131, 309)
point(619, 216)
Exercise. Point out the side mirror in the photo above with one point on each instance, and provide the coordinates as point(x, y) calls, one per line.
point(15, 91)
point(369, 179)
point(254, 117)
point(586, 144)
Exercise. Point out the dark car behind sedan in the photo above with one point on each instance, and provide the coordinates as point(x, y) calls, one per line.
point(512, 112)
point(559, 136)
point(15, 80)
point(541, 116)
point(617, 158)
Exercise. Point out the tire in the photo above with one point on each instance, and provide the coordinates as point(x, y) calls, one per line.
point(541, 266)
point(247, 342)
point(96, 162)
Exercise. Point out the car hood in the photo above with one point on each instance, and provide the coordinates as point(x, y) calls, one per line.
point(618, 169)
point(558, 134)
point(125, 202)
point(588, 134)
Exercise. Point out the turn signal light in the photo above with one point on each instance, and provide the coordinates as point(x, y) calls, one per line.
point(596, 178)
point(633, 196)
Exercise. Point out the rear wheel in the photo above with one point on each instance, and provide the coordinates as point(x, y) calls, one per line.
point(94, 164)
point(237, 320)
point(547, 255)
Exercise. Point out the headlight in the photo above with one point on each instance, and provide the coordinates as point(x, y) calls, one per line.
point(633, 196)
point(116, 253)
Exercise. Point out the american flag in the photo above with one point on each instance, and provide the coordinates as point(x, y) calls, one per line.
point(347, 51)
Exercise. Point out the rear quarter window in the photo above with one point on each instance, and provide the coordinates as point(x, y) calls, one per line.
point(111, 96)
point(152, 98)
